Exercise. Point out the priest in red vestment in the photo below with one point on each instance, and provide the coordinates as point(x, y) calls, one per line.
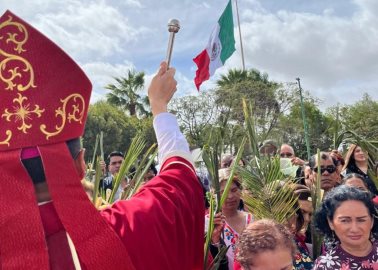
point(46, 219)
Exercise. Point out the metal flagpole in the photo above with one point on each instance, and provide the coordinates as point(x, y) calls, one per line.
point(304, 120)
point(240, 36)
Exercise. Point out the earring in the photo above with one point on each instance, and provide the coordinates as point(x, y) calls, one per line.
point(333, 236)
point(372, 238)
point(332, 242)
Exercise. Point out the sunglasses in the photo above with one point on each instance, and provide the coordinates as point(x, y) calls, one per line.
point(329, 169)
point(286, 155)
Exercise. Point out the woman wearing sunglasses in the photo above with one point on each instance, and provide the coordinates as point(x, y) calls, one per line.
point(347, 217)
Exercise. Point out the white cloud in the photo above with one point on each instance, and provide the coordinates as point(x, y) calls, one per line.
point(102, 74)
point(325, 50)
point(330, 45)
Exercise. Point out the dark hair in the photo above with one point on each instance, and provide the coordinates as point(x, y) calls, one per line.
point(114, 154)
point(303, 192)
point(334, 199)
point(153, 168)
point(34, 165)
point(263, 235)
point(355, 175)
point(324, 156)
point(337, 155)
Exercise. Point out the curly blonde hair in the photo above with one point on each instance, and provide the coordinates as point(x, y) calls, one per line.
point(263, 235)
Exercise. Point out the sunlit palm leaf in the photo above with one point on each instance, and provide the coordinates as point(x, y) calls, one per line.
point(98, 175)
point(94, 153)
point(232, 174)
point(135, 150)
point(142, 169)
point(210, 197)
point(317, 197)
point(251, 129)
point(267, 190)
point(218, 259)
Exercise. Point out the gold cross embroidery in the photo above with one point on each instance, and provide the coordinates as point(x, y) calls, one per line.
point(21, 112)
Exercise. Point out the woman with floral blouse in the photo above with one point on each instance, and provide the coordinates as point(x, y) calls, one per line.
point(348, 217)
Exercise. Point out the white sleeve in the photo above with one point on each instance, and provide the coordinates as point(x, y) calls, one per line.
point(171, 141)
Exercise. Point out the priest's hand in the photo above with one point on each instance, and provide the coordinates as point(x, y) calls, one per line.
point(161, 89)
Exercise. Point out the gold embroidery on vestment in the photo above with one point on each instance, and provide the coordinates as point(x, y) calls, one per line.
point(76, 114)
point(22, 112)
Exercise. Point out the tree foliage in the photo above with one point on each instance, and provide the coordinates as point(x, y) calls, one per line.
point(118, 128)
point(361, 117)
point(196, 114)
point(291, 129)
point(268, 98)
point(124, 94)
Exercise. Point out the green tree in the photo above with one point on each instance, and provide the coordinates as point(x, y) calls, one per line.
point(269, 99)
point(105, 117)
point(119, 129)
point(196, 115)
point(124, 94)
point(361, 117)
point(290, 129)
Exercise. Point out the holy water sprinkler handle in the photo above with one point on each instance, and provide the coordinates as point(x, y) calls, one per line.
point(173, 28)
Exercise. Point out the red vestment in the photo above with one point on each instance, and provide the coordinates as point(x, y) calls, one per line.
point(161, 226)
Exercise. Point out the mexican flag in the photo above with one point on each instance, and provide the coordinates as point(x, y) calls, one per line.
point(220, 47)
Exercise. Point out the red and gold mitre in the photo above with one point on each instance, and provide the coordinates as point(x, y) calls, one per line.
point(44, 93)
point(44, 97)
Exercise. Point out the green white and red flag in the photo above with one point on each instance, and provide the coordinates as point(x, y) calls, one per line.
point(220, 47)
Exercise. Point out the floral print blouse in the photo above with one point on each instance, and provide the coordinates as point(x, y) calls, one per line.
point(339, 259)
point(231, 237)
point(302, 260)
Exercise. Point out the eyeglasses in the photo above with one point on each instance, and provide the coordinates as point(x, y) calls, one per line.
point(289, 155)
point(329, 169)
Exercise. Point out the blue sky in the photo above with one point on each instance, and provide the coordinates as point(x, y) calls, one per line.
point(330, 45)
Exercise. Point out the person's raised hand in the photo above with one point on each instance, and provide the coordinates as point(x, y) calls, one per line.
point(297, 161)
point(161, 89)
point(219, 222)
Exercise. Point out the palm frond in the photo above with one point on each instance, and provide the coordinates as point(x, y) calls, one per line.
point(97, 181)
point(143, 167)
point(210, 157)
point(211, 199)
point(251, 129)
point(234, 166)
point(350, 137)
point(135, 150)
point(218, 259)
point(94, 153)
point(268, 191)
point(317, 197)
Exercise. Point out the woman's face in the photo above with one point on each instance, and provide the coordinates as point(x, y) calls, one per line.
point(277, 259)
point(233, 199)
point(307, 210)
point(352, 224)
point(308, 175)
point(359, 155)
point(357, 183)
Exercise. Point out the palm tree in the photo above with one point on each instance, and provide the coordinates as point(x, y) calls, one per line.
point(234, 76)
point(125, 95)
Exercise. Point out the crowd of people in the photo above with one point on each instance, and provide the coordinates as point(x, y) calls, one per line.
point(345, 220)
point(48, 222)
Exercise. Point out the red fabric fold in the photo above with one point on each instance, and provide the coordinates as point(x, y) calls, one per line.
point(164, 220)
point(97, 245)
point(22, 240)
